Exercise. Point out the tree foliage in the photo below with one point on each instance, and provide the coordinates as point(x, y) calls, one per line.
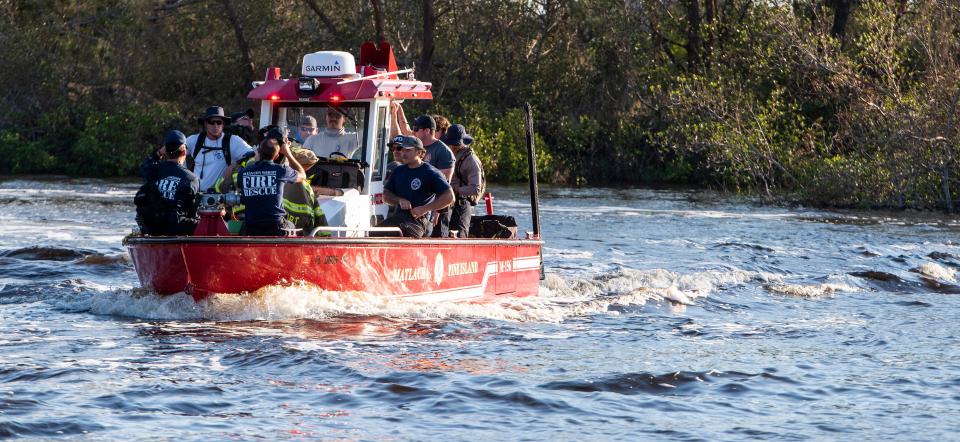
point(833, 102)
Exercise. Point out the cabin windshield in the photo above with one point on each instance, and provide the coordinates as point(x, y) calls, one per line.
point(341, 129)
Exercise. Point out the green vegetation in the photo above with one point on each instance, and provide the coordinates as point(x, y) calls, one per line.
point(826, 102)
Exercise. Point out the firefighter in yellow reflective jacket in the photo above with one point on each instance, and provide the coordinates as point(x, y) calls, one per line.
point(299, 201)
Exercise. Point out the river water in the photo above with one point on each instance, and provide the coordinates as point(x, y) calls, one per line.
point(665, 315)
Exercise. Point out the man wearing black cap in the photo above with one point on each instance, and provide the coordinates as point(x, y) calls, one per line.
point(167, 201)
point(439, 156)
point(467, 182)
point(416, 188)
point(242, 126)
point(213, 150)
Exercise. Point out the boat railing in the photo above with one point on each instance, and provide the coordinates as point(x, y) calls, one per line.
point(319, 229)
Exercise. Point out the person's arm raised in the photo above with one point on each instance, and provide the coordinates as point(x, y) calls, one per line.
point(399, 125)
point(301, 174)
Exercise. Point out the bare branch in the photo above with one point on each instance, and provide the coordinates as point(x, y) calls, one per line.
point(234, 21)
point(378, 19)
point(174, 4)
point(331, 27)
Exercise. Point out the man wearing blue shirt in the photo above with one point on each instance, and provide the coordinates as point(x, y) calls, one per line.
point(261, 189)
point(167, 202)
point(416, 188)
point(439, 156)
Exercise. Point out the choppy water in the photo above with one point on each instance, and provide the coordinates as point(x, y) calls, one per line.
point(666, 315)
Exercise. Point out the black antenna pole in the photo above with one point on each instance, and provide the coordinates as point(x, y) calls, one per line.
point(534, 193)
point(532, 160)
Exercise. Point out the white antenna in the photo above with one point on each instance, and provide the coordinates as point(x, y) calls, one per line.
point(402, 71)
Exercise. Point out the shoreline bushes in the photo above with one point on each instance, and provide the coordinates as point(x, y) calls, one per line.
point(824, 102)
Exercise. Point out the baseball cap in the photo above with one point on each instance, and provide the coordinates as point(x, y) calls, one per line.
point(174, 140)
point(406, 142)
point(272, 131)
point(238, 115)
point(277, 134)
point(424, 122)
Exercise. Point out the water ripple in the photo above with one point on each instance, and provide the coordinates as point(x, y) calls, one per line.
point(829, 325)
point(64, 426)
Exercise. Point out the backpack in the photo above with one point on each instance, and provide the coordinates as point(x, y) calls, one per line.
point(493, 226)
point(336, 174)
point(153, 211)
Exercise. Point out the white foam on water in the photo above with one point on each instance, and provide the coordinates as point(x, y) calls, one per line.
point(650, 212)
point(810, 291)
point(682, 286)
point(54, 193)
point(21, 232)
point(937, 271)
point(141, 303)
point(567, 253)
point(559, 298)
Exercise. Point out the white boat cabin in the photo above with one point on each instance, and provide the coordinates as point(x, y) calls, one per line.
point(333, 82)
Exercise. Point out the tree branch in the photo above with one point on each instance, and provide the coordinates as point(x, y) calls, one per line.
point(174, 4)
point(331, 27)
point(378, 20)
point(241, 41)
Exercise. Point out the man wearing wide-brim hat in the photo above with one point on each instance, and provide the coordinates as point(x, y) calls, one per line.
point(416, 188)
point(212, 150)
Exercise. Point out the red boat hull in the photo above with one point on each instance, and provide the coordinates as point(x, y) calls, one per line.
point(423, 270)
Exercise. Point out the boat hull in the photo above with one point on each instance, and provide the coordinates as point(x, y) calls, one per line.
point(422, 270)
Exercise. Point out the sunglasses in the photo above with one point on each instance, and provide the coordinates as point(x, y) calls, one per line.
point(215, 122)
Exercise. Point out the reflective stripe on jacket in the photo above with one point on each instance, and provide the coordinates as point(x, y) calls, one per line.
point(302, 207)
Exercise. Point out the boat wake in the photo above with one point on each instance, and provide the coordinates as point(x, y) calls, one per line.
point(560, 298)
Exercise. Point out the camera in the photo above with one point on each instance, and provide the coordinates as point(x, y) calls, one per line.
point(217, 201)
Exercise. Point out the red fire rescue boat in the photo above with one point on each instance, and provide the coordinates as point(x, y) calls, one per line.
point(213, 261)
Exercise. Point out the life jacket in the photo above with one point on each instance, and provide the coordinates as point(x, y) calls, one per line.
point(302, 207)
